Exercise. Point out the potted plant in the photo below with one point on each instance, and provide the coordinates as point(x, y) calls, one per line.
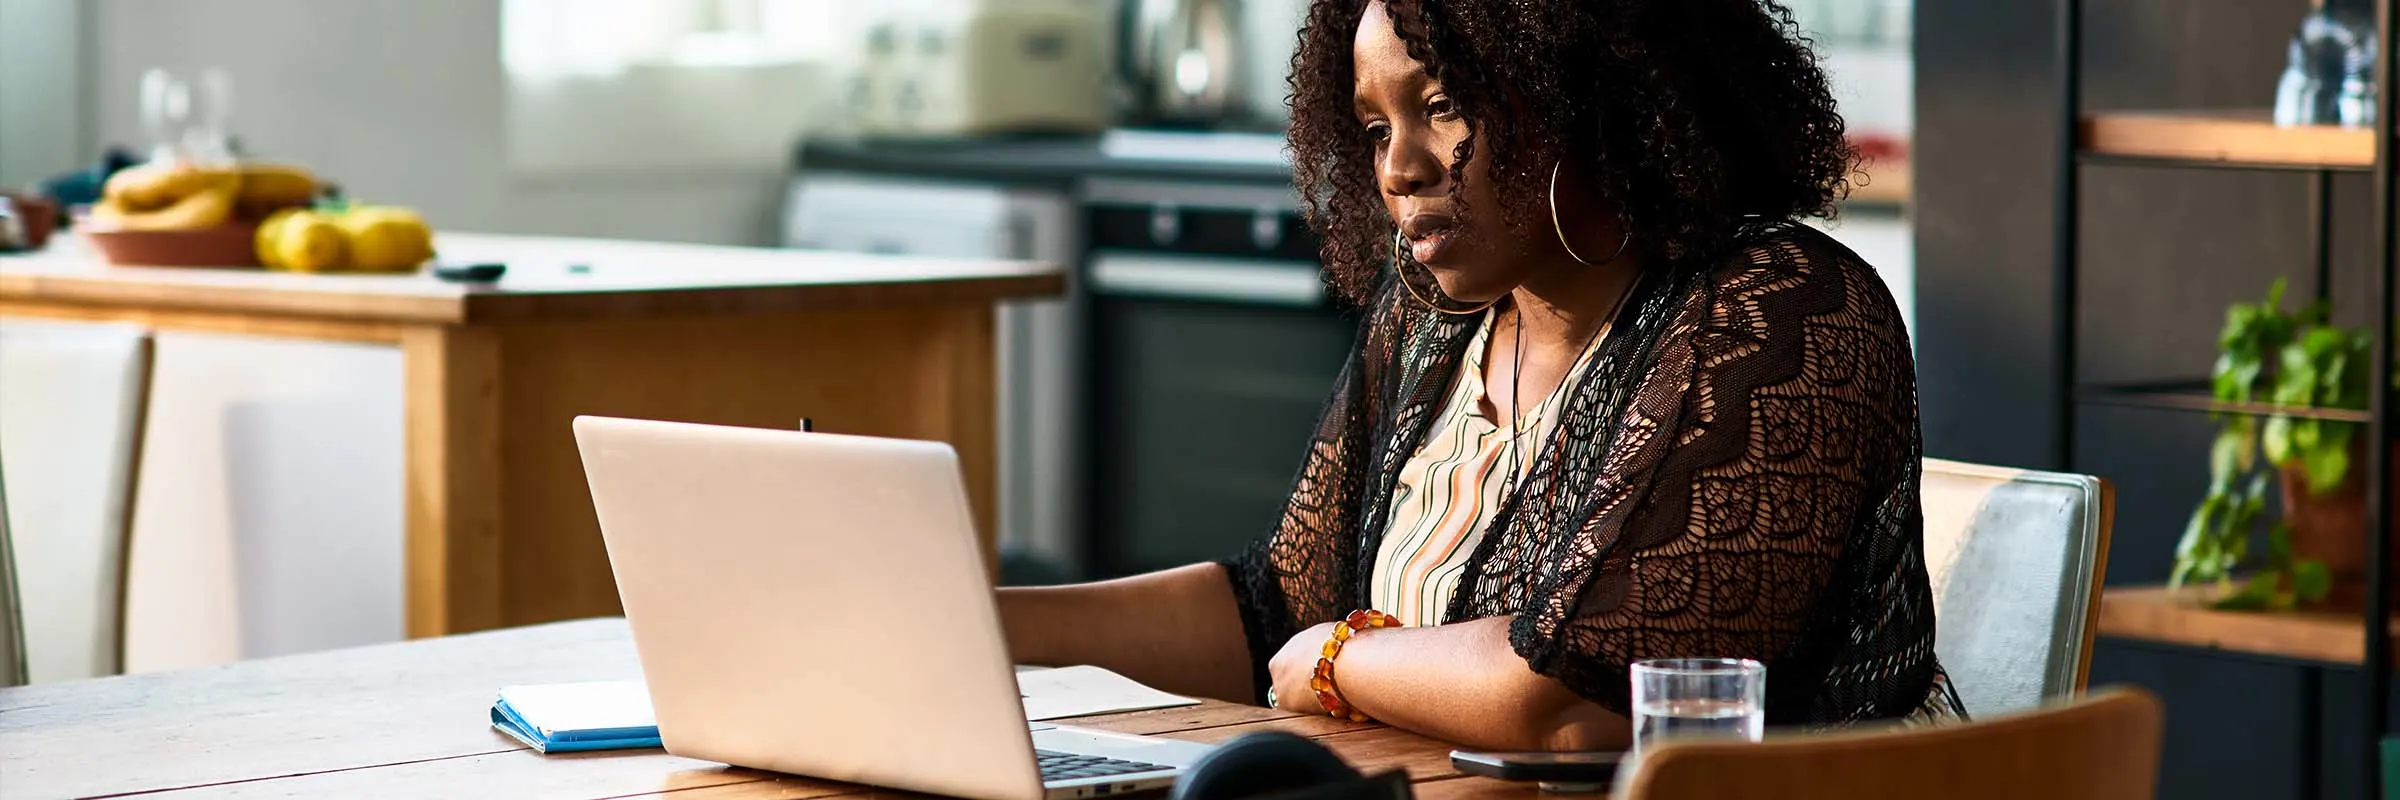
point(2318, 547)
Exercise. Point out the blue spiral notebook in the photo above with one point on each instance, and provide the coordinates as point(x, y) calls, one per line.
point(574, 717)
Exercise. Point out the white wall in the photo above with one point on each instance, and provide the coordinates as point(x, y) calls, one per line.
point(401, 102)
point(43, 119)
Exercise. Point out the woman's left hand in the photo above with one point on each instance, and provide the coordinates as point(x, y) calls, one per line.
point(1294, 665)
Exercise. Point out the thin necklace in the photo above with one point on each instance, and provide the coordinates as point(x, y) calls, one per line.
point(1517, 426)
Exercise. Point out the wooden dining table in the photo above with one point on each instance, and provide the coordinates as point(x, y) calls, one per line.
point(411, 719)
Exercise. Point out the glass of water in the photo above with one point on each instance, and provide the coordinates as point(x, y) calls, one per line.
point(1688, 698)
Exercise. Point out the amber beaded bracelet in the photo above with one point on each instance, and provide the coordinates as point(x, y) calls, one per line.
point(1322, 682)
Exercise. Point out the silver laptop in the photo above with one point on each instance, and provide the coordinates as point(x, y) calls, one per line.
point(817, 604)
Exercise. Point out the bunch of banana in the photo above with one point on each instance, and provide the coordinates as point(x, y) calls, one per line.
point(355, 239)
point(174, 196)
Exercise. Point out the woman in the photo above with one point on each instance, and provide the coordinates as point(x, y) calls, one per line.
point(1610, 402)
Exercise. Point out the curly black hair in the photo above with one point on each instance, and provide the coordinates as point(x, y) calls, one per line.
point(1693, 116)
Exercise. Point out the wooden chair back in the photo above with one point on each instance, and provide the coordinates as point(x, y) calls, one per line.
point(2102, 747)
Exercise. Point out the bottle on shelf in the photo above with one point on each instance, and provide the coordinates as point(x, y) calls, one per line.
point(2329, 69)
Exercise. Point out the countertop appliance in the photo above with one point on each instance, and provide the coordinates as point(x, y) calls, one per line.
point(1186, 60)
point(992, 66)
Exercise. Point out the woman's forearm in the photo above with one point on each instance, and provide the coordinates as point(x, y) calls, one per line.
point(1177, 630)
point(1463, 683)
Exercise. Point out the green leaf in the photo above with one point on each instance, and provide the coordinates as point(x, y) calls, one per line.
point(2195, 531)
point(2227, 381)
point(2310, 580)
point(2207, 562)
point(2326, 467)
point(2333, 376)
point(2333, 435)
point(2279, 546)
point(2296, 372)
point(2256, 594)
point(2307, 434)
point(2225, 455)
point(2242, 378)
point(2276, 440)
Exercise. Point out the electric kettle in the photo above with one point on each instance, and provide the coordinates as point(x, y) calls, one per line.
point(1185, 59)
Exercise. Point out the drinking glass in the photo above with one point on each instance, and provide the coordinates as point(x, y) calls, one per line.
point(186, 115)
point(1691, 698)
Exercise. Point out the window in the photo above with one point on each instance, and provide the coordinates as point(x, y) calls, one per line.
point(645, 86)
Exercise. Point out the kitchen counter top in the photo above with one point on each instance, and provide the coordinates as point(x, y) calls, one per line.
point(499, 526)
point(1246, 158)
point(547, 279)
point(1133, 154)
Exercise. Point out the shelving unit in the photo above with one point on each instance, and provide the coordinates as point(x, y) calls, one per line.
point(2242, 140)
point(2193, 395)
point(2182, 617)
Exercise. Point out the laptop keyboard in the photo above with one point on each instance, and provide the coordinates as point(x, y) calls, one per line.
point(1069, 766)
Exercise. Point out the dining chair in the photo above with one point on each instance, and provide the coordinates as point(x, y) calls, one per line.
point(2103, 745)
point(12, 636)
point(74, 398)
point(2016, 559)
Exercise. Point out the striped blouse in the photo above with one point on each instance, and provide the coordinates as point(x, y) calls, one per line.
point(1449, 490)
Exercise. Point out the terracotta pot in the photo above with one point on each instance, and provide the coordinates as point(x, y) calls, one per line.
point(2333, 527)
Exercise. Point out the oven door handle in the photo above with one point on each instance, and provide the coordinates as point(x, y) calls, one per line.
point(1294, 284)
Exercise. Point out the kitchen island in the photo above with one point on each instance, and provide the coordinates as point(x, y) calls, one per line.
point(499, 528)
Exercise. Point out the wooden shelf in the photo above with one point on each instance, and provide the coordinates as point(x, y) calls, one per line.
point(2193, 395)
point(2181, 616)
point(2225, 138)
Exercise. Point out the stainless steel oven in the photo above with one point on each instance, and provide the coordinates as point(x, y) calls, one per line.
point(1212, 345)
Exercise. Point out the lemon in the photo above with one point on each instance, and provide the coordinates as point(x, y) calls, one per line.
point(306, 241)
point(264, 241)
point(387, 238)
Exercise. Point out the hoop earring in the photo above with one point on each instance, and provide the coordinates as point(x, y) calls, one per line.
point(1409, 280)
point(1561, 228)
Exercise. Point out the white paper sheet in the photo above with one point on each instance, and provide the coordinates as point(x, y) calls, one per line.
point(596, 705)
point(1086, 690)
point(1047, 694)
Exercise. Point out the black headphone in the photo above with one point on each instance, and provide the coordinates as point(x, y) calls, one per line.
point(1286, 767)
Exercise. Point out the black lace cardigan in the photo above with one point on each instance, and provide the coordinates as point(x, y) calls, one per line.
point(1734, 475)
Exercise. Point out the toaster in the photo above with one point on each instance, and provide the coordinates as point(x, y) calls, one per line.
point(996, 66)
